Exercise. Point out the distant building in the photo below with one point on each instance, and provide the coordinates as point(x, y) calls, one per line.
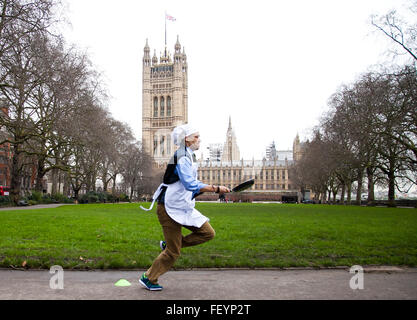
point(271, 175)
point(271, 152)
point(28, 172)
point(298, 148)
point(230, 149)
point(215, 151)
point(5, 156)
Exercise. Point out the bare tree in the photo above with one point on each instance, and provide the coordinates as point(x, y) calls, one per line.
point(316, 167)
point(117, 140)
point(404, 84)
point(401, 33)
point(18, 66)
point(389, 125)
point(23, 28)
point(84, 137)
point(18, 20)
point(137, 170)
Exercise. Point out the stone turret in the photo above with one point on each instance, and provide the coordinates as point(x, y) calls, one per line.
point(230, 148)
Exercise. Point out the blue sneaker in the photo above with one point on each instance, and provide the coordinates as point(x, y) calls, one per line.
point(162, 245)
point(144, 281)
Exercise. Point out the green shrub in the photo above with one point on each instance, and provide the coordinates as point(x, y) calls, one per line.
point(32, 202)
point(83, 198)
point(110, 197)
point(103, 197)
point(92, 198)
point(124, 197)
point(36, 196)
point(4, 199)
point(46, 198)
point(68, 200)
point(58, 197)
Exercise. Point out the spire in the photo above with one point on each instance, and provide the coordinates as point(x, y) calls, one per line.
point(178, 57)
point(178, 45)
point(146, 56)
point(230, 148)
point(184, 56)
point(146, 49)
point(154, 58)
point(165, 56)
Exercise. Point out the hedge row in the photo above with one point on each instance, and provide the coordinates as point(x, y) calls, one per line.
point(91, 197)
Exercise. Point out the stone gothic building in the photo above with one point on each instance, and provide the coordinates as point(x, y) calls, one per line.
point(271, 174)
point(164, 100)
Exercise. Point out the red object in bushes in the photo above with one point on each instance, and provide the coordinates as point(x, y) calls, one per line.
point(4, 191)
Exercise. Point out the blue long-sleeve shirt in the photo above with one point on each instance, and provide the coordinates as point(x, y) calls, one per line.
point(184, 170)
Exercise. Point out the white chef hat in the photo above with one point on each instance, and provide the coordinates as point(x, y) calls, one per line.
point(179, 133)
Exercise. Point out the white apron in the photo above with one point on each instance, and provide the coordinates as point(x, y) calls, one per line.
point(178, 203)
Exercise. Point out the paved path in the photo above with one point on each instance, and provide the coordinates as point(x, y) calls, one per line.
point(37, 206)
point(212, 284)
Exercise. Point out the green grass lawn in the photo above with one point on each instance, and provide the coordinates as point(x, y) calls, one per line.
point(247, 235)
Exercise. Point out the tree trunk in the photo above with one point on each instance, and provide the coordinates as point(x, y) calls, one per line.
point(371, 184)
point(342, 196)
point(105, 183)
point(93, 182)
point(113, 190)
point(16, 176)
point(324, 197)
point(54, 182)
point(40, 173)
point(87, 183)
point(349, 193)
point(131, 194)
point(391, 186)
point(59, 174)
point(359, 191)
point(303, 193)
point(66, 188)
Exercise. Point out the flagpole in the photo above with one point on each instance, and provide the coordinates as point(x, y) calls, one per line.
point(165, 28)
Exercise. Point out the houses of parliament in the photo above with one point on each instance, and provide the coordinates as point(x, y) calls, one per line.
point(165, 106)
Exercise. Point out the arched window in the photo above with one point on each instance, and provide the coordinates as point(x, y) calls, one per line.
point(162, 107)
point(168, 106)
point(155, 107)
point(155, 145)
point(162, 146)
point(168, 144)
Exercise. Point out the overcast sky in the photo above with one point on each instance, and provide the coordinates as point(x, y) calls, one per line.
point(270, 65)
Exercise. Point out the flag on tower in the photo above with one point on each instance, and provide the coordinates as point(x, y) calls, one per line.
point(168, 17)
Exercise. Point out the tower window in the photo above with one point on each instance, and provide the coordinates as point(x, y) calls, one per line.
point(155, 107)
point(168, 106)
point(162, 107)
point(155, 145)
point(169, 144)
point(162, 147)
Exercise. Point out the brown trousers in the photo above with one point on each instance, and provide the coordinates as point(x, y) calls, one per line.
point(175, 241)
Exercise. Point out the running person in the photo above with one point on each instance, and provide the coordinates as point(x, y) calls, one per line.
point(176, 206)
